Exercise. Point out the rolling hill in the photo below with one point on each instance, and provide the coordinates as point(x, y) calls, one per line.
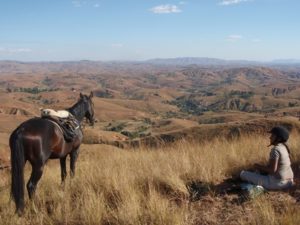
point(139, 95)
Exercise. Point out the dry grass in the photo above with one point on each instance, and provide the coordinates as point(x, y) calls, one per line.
point(146, 186)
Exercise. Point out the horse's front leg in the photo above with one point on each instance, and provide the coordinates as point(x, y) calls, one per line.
point(63, 169)
point(73, 158)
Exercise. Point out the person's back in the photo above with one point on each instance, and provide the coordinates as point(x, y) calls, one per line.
point(284, 170)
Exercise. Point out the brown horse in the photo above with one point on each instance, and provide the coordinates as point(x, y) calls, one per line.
point(40, 139)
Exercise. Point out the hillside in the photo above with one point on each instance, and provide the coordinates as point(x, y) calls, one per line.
point(137, 98)
point(166, 140)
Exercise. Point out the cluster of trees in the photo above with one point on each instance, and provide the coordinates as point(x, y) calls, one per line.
point(189, 106)
point(33, 90)
point(141, 131)
point(241, 94)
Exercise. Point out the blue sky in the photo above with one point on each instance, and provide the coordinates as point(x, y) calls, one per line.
point(56, 30)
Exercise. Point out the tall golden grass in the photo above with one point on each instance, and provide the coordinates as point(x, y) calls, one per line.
point(149, 186)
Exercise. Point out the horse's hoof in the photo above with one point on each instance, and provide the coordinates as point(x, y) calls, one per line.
point(20, 212)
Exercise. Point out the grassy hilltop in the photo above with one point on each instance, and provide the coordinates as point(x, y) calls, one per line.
point(142, 186)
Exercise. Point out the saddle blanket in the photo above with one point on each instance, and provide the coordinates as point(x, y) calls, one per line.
point(52, 112)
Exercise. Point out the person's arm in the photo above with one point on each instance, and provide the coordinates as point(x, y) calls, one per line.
point(271, 168)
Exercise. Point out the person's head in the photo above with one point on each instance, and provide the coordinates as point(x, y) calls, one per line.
point(278, 135)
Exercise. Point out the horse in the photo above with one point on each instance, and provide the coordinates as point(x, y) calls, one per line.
point(37, 140)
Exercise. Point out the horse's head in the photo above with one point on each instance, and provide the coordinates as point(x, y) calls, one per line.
point(88, 107)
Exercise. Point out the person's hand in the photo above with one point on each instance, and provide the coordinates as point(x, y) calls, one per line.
point(257, 166)
point(261, 169)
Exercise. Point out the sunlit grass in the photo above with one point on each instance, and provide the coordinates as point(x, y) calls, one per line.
point(148, 186)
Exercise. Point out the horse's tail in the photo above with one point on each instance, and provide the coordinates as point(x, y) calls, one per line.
point(17, 170)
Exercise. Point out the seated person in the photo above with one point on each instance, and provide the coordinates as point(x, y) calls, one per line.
point(279, 171)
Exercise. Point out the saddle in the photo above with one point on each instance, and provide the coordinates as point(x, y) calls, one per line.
point(65, 120)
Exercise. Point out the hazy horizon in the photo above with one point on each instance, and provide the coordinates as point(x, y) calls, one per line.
point(275, 61)
point(135, 30)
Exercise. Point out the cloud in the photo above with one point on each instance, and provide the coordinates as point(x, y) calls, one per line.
point(86, 3)
point(18, 50)
point(78, 3)
point(164, 9)
point(256, 40)
point(15, 50)
point(234, 37)
point(232, 2)
point(182, 2)
point(117, 45)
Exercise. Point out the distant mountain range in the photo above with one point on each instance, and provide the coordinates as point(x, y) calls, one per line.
point(199, 61)
point(286, 61)
point(216, 62)
point(179, 61)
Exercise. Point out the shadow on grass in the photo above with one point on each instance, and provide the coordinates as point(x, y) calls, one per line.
point(232, 187)
point(229, 187)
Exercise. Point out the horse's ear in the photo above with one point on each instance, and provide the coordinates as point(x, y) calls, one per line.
point(91, 95)
point(81, 95)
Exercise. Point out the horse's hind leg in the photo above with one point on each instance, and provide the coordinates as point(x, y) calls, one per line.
point(36, 174)
point(63, 169)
